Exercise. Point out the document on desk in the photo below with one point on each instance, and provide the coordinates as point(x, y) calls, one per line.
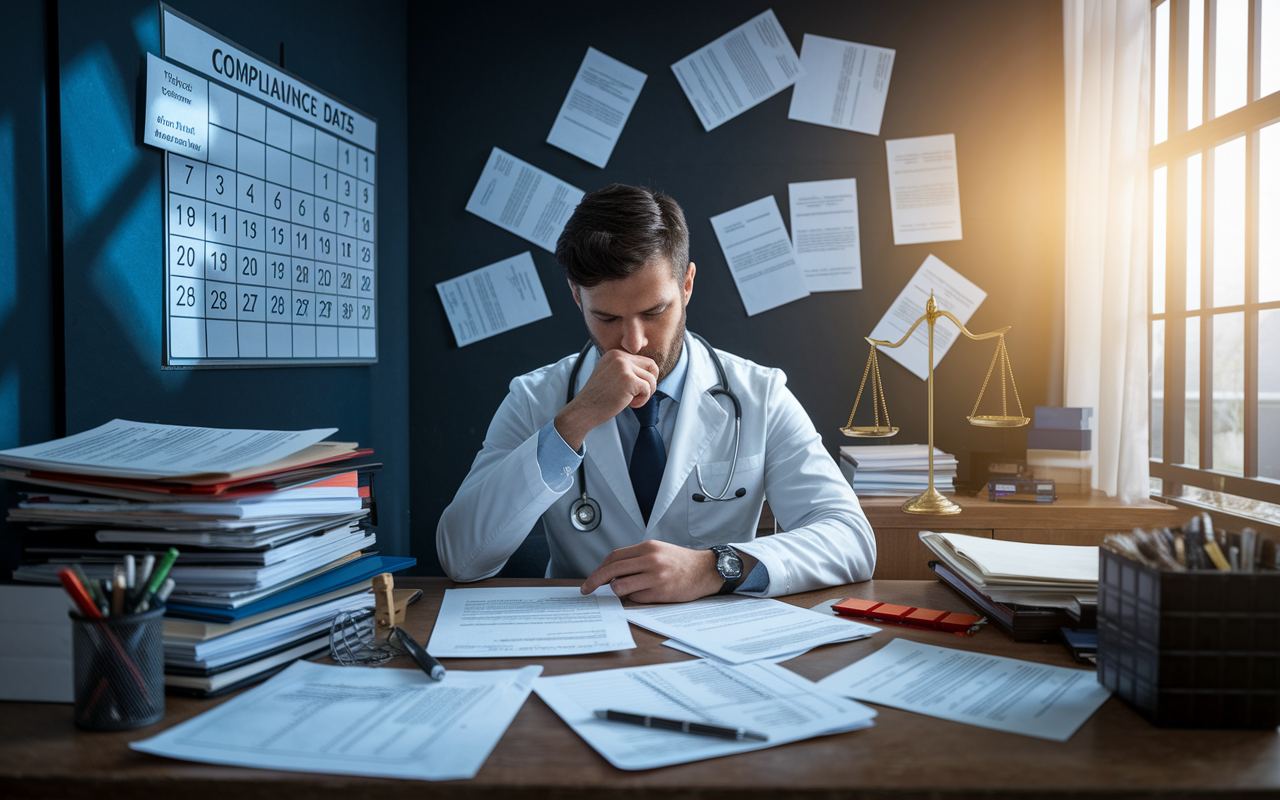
point(1003, 694)
point(824, 229)
point(759, 254)
point(381, 722)
point(125, 449)
point(529, 621)
point(924, 189)
point(844, 86)
point(597, 107)
point(952, 291)
point(520, 198)
point(737, 629)
point(494, 299)
point(738, 71)
point(760, 697)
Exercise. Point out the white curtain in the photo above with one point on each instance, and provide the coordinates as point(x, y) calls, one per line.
point(1107, 45)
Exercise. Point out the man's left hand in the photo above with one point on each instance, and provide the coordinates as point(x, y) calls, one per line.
point(659, 572)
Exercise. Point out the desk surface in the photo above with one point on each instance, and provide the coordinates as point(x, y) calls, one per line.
point(905, 755)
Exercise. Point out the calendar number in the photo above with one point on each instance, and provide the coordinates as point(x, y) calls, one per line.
point(250, 228)
point(219, 262)
point(277, 201)
point(190, 169)
point(186, 295)
point(218, 299)
point(324, 277)
point(249, 193)
point(250, 302)
point(186, 215)
point(366, 283)
point(249, 267)
point(301, 276)
point(347, 308)
point(277, 305)
point(366, 254)
point(216, 217)
point(186, 256)
point(324, 309)
point(364, 312)
point(277, 234)
point(302, 307)
point(221, 185)
point(302, 208)
point(278, 270)
point(302, 240)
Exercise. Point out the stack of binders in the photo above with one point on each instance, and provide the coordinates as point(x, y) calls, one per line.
point(1059, 448)
point(274, 531)
point(896, 470)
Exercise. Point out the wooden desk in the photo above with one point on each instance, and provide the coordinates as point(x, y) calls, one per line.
point(1071, 519)
point(904, 756)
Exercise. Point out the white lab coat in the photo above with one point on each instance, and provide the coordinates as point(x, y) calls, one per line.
point(827, 539)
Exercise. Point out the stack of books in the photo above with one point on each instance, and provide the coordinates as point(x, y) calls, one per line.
point(1059, 448)
point(1031, 591)
point(273, 528)
point(896, 470)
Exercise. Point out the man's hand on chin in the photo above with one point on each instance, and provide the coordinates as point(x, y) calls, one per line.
point(657, 572)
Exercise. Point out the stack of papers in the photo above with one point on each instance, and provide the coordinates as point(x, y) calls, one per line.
point(1019, 572)
point(260, 518)
point(896, 470)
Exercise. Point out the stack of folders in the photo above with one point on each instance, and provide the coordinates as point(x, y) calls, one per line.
point(1030, 591)
point(274, 530)
point(896, 470)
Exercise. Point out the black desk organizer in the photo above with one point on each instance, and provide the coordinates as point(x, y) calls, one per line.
point(1195, 649)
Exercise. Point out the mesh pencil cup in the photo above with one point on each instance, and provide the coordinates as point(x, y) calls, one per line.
point(119, 670)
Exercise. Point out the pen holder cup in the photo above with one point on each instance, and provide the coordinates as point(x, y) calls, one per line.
point(1195, 649)
point(119, 670)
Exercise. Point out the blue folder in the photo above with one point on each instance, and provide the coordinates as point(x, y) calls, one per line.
point(355, 571)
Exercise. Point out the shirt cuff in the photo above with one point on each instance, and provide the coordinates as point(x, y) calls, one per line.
point(556, 459)
point(756, 581)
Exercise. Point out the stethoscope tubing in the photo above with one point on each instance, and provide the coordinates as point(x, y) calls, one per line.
point(585, 513)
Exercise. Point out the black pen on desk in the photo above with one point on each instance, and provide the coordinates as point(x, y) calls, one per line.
point(420, 656)
point(684, 726)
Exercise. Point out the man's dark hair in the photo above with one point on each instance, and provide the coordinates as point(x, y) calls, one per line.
point(617, 230)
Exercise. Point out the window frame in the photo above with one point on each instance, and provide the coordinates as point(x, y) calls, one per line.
point(1173, 154)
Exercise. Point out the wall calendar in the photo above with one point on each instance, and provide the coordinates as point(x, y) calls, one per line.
point(270, 198)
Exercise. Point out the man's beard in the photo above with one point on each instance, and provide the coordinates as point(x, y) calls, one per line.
point(666, 361)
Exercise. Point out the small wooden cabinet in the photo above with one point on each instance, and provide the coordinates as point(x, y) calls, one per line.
point(1071, 519)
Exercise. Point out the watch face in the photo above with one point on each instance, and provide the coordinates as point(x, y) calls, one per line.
point(729, 564)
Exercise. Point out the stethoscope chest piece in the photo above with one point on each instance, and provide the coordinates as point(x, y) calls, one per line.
point(585, 513)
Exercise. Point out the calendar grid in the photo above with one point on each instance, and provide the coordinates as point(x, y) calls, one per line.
point(271, 249)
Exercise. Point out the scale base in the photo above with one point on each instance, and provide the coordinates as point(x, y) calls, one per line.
point(930, 502)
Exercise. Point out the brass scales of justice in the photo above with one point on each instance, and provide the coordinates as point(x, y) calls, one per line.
point(931, 501)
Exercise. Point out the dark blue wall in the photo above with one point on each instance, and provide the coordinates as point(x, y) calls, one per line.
point(486, 74)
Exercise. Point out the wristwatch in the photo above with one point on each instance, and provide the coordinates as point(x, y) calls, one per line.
point(729, 565)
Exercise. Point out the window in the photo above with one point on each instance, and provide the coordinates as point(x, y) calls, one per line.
point(1215, 254)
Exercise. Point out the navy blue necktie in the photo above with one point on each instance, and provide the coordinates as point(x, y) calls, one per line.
point(649, 457)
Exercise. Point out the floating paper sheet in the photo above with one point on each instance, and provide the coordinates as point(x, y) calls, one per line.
point(597, 107)
point(845, 84)
point(824, 229)
point(952, 292)
point(924, 189)
point(760, 257)
point(493, 299)
point(738, 71)
point(523, 199)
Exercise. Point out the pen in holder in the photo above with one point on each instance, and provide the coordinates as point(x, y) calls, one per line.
point(119, 670)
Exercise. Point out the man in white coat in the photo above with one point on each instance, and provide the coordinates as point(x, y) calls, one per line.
point(674, 477)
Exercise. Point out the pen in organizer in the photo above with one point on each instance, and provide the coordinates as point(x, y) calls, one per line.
point(683, 726)
point(158, 575)
point(80, 596)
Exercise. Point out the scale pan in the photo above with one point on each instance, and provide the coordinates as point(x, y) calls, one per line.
point(999, 421)
point(869, 431)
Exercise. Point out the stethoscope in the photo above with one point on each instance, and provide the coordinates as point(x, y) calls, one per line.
point(585, 511)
